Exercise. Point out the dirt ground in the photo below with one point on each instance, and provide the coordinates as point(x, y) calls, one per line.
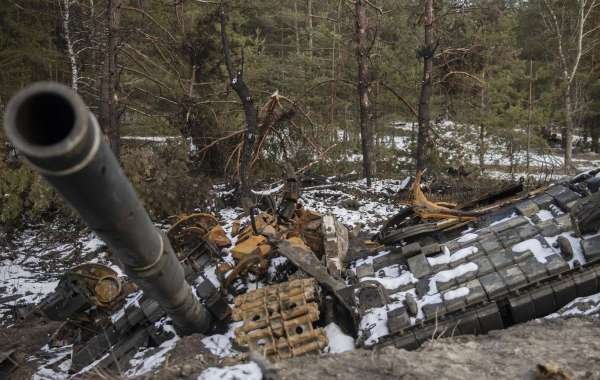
point(23, 342)
point(572, 344)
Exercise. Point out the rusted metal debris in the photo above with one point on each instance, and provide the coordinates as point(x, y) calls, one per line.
point(278, 320)
point(83, 287)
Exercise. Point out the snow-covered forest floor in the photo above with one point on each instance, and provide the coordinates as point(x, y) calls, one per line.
point(33, 261)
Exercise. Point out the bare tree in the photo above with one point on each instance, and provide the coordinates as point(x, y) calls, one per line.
point(363, 84)
point(109, 113)
point(309, 25)
point(426, 52)
point(236, 81)
point(65, 8)
point(573, 36)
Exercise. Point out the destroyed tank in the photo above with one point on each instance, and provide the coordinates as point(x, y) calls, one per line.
point(524, 260)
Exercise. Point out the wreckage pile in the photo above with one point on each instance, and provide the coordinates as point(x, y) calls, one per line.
point(434, 269)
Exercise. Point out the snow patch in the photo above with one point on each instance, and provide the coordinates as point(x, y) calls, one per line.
point(579, 306)
point(272, 191)
point(544, 215)
point(456, 293)
point(374, 323)
point(248, 371)
point(221, 344)
point(467, 237)
point(535, 246)
point(50, 370)
point(445, 257)
point(449, 275)
point(393, 283)
point(140, 364)
point(338, 341)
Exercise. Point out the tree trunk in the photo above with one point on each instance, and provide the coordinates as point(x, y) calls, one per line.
point(365, 108)
point(333, 68)
point(243, 92)
point(568, 131)
point(594, 134)
point(109, 113)
point(66, 13)
point(310, 28)
point(529, 115)
point(481, 149)
point(482, 130)
point(424, 116)
point(296, 30)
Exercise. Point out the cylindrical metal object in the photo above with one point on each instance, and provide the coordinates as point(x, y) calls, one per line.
point(57, 134)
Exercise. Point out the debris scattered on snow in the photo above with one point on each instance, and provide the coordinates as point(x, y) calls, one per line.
point(141, 364)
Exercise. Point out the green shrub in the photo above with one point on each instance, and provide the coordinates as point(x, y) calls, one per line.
point(161, 176)
point(158, 172)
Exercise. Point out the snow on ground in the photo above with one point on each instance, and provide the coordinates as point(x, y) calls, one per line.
point(57, 364)
point(142, 363)
point(31, 267)
point(459, 142)
point(354, 203)
point(221, 345)
point(248, 371)
point(338, 341)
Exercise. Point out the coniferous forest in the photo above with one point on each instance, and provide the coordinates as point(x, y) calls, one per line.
point(379, 87)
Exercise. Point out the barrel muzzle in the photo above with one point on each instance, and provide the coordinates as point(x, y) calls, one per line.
point(52, 128)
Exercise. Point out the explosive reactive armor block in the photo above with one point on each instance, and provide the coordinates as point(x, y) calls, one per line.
point(278, 319)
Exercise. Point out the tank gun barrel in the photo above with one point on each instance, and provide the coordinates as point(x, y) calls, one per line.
point(52, 128)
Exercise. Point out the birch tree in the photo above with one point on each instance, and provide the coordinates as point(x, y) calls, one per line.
point(569, 24)
point(65, 8)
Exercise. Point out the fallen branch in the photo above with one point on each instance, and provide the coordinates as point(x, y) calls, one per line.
point(319, 159)
point(206, 147)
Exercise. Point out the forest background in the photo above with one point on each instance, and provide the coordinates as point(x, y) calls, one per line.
point(191, 93)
